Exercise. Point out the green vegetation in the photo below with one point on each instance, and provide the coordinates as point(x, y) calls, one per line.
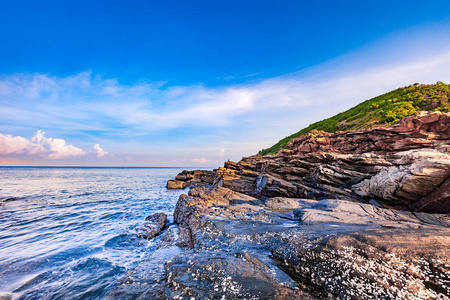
point(382, 110)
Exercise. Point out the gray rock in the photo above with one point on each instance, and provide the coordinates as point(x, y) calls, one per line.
point(212, 275)
point(154, 224)
point(297, 225)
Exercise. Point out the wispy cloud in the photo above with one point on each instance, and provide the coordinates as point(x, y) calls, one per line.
point(89, 102)
point(201, 160)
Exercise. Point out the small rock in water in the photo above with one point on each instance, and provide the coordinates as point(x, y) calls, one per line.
point(154, 224)
point(176, 184)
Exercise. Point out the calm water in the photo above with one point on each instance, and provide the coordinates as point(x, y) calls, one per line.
point(70, 233)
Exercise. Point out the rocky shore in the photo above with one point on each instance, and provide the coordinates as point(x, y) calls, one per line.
point(349, 215)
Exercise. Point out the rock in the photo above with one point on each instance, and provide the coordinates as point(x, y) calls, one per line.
point(176, 184)
point(438, 200)
point(154, 224)
point(417, 173)
point(364, 264)
point(280, 203)
point(5, 296)
point(203, 175)
point(330, 248)
point(374, 203)
point(228, 276)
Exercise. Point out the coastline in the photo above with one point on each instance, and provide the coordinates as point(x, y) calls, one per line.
point(353, 215)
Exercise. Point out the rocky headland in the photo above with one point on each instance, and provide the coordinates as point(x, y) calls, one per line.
point(346, 215)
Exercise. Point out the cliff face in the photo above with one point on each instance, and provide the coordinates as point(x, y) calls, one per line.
point(334, 216)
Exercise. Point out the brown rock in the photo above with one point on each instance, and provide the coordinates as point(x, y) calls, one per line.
point(439, 200)
point(176, 184)
point(398, 165)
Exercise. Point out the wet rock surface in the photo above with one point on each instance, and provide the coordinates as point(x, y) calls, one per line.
point(329, 248)
point(334, 216)
point(153, 225)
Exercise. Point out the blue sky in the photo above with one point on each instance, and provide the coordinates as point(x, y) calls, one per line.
point(193, 83)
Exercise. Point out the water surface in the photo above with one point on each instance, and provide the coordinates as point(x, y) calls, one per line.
point(70, 233)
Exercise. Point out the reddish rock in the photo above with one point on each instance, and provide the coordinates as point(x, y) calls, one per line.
point(402, 165)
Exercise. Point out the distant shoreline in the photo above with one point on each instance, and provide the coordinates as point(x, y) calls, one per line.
point(96, 167)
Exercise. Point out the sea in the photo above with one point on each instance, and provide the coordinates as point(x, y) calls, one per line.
point(70, 233)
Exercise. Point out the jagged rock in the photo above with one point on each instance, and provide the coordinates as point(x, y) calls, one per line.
point(417, 173)
point(154, 224)
point(402, 165)
point(439, 200)
point(203, 175)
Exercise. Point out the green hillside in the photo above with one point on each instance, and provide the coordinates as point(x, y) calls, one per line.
point(382, 110)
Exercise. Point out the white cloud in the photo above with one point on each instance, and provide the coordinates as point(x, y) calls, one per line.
point(57, 148)
point(100, 151)
point(39, 145)
point(202, 160)
point(10, 144)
